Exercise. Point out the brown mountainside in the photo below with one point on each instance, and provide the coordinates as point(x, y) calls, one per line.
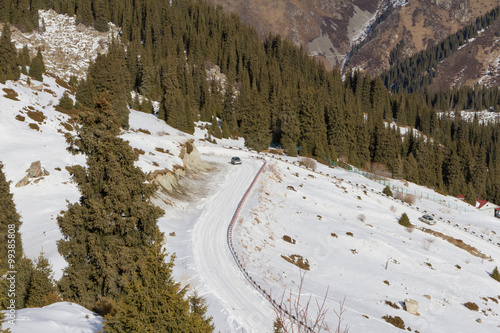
point(421, 24)
point(328, 29)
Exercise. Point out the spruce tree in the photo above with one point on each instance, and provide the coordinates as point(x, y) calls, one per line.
point(37, 67)
point(107, 231)
point(41, 290)
point(9, 61)
point(153, 302)
point(10, 222)
point(101, 15)
point(65, 101)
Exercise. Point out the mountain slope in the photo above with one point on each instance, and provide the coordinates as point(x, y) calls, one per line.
point(422, 24)
point(348, 233)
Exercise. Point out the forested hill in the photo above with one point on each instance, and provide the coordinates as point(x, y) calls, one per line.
point(274, 93)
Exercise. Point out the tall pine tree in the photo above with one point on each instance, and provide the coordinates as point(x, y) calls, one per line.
point(109, 229)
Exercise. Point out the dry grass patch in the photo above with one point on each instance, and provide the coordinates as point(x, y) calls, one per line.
point(145, 131)
point(11, 94)
point(458, 243)
point(396, 321)
point(47, 90)
point(67, 127)
point(37, 116)
point(34, 126)
point(297, 260)
point(161, 150)
point(471, 306)
point(391, 304)
point(139, 151)
point(20, 118)
point(288, 239)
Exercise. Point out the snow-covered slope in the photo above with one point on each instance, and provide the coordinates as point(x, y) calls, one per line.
point(340, 223)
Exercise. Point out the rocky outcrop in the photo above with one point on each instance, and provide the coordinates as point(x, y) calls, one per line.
point(168, 180)
point(36, 172)
point(411, 306)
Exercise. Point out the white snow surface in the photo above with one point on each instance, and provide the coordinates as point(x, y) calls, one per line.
point(340, 223)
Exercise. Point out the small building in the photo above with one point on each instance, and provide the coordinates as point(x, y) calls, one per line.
point(488, 207)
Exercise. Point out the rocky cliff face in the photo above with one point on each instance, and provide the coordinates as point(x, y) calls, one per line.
point(169, 181)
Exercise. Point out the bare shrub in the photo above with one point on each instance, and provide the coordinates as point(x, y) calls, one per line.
point(393, 209)
point(274, 171)
point(427, 243)
point(294, 317)
point(408, 198)
point(379, 169)
point(362, 217)
point(343, 159)
point(308, 163)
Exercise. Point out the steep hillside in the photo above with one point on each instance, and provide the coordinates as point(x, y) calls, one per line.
point(325, 28)
point(420, 24)
point(335, 224)
point(476, 62)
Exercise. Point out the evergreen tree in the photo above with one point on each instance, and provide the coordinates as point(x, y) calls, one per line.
point(199, 309)
point(153, 302)
point(41, 290)
point(496, 274)
point(108, 74)
point(404, 220)
point(65, 101)
point(8, 218)
point(3, 298)
point(108, 230)
point(10, 243)
point(102, 16)
point(37, 67)
point(216, 129)
point(84, 13)
point(9, 61)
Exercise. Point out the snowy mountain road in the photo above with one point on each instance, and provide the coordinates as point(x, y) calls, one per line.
point(248, 310)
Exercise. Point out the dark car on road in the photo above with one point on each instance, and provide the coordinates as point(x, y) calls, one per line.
point(235, 160)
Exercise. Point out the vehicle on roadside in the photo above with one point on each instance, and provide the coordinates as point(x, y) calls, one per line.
point(428, 219)
point(235, 160)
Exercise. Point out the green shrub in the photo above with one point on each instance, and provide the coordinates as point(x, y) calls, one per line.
point(405, 221)
point(495, 274)
point(387, 191)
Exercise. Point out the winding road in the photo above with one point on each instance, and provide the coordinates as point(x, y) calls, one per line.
point(248, 310)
